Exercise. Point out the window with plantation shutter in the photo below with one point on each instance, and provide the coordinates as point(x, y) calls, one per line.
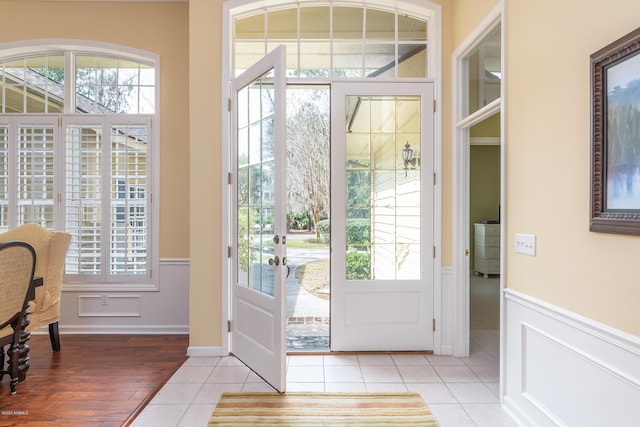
point(35, 192)
point(4, 178)
point(106, 203)
point(76, 155)
point(83, 190)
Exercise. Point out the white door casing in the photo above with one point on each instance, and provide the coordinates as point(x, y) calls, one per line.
point(392, 308)
point(258, 295)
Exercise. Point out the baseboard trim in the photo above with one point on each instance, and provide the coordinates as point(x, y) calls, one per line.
point(197, 351)
point(118, 330)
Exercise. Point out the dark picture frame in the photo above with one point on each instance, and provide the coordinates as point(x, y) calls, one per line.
point(615, 137)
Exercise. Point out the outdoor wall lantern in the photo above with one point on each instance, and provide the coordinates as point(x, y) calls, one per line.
point(407, 157)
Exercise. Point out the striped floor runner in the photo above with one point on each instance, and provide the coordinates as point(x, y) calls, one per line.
point(322, 409)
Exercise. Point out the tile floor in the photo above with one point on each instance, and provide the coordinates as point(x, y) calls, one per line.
point(460, 391)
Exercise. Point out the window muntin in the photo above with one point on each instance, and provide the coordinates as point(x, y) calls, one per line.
point(100, 193)
point(103, 84)
point(113, 85)
point(335, 42)
point(383, 191)
point(32, 84)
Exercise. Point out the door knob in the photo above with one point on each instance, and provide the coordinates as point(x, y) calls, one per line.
point(274, 261)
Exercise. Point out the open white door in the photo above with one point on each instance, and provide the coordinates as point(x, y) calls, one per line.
point(382, 237)
point(258, 295)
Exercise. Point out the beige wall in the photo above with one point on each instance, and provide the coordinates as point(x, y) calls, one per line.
point(548, 161)
point(205, 44)
point(548, 156)
point(161, 28)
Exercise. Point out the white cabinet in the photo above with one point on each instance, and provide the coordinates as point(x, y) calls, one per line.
point(487, 249)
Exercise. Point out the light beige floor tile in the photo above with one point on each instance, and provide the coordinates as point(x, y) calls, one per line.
point(188, 374)
point(345, 387)
point(306, 360)
point(340, 359)
point(409, 359)
point(472, 393)
point(229, 374)
point(380, 374)
point(385, 387)
point(310, 387)
point(342, 374)
point(210, 393)
point(491, 415)
point(433, 392)
point(160, 415)
point(418, 374)
point(456, 374)
point(202, 361)
point(176, 394)
point(375, 359)
point(197, 415)
point(305, 374)
point(451, 415)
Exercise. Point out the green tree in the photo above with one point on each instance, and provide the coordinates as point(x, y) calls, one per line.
point(308, 152)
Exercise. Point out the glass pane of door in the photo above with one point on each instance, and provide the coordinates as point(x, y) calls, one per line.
point(383, 188)
point(255, 169)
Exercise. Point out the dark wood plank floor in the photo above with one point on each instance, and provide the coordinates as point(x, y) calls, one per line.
point(94, 380)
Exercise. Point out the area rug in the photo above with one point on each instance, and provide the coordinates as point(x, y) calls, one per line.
point(322, 409)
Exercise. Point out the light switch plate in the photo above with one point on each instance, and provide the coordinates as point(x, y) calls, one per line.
point(526, 244)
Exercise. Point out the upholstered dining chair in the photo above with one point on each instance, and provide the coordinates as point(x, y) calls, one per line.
point(51, 251)
point(17, 263)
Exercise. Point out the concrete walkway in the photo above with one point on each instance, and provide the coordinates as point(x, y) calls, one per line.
point(308, 315)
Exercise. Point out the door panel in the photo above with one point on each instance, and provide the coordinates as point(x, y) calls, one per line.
point(258, 293)
point(382, 216)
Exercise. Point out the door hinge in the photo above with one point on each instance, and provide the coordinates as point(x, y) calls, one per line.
point(434, 325)
point(434, 105)
point(434, 251)
point(229, 178)
point(228, 251)
point(435, 176)
point(229, 104)
point(229, 326)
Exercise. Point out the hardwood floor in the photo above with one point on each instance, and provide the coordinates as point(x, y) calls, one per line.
point(94, 380)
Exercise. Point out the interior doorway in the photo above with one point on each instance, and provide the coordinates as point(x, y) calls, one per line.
point(484, 225)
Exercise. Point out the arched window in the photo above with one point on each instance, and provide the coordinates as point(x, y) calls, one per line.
point(349, 40)
point(75, 154)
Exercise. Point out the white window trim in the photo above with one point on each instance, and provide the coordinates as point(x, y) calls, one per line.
point(418, 7)
point(42, 46)
point(462, 123)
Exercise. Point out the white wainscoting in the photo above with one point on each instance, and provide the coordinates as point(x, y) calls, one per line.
point(165, 311)
point(563, 369)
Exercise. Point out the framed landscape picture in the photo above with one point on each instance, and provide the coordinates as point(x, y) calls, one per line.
point(615, 137)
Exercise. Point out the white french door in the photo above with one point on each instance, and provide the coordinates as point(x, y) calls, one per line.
point(258, 295)
point(382, 222)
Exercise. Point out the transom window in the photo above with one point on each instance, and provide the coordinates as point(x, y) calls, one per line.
point(336, 41)
point(75, 155)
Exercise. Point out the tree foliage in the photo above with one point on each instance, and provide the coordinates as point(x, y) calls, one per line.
point(308, 152)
